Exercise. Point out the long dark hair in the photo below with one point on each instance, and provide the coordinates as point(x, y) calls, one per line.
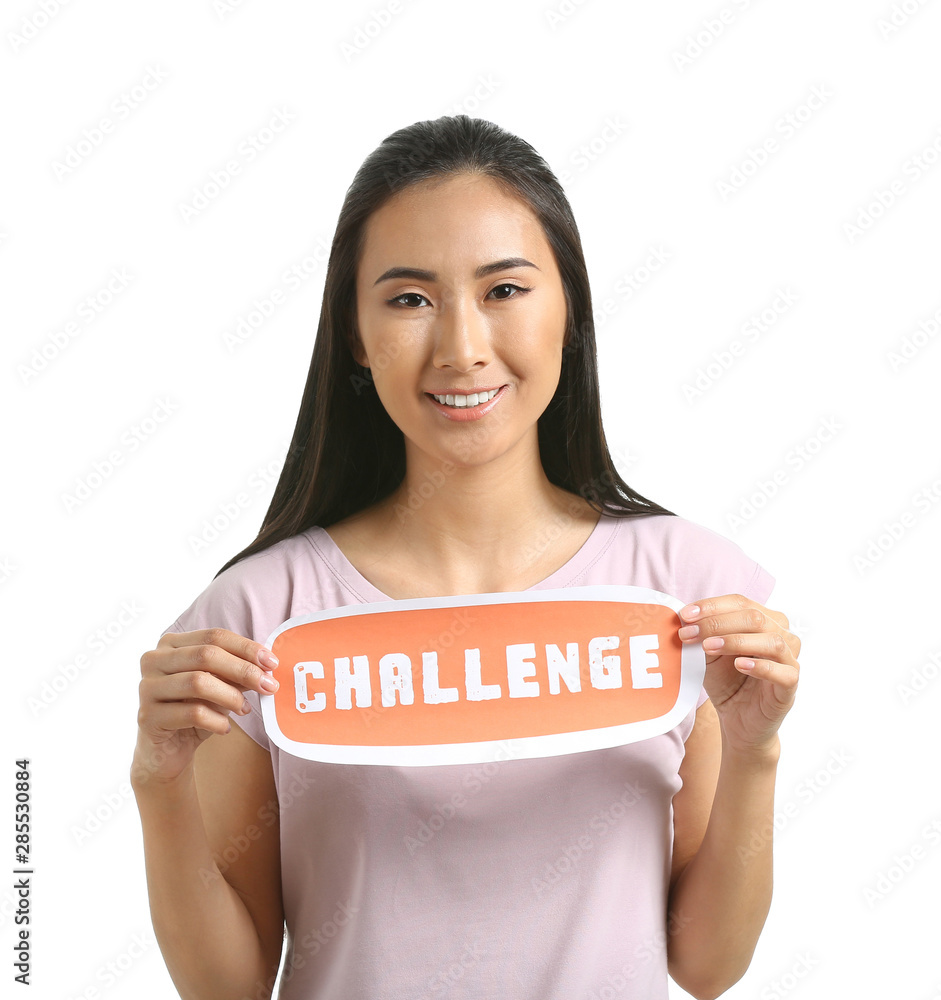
point(346, 452)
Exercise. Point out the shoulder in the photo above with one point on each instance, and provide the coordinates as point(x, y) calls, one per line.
point(257, 593)
point(670, 533)
point(690, 560)
point(675, 531)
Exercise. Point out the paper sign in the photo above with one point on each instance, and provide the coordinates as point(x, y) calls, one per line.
point(486, 677)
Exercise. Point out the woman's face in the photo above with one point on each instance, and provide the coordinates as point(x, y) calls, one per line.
point(481, 310)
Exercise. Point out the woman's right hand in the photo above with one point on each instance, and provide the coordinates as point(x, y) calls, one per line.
point(189, 684)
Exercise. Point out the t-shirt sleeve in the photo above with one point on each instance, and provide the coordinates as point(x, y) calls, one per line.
point(225, 604)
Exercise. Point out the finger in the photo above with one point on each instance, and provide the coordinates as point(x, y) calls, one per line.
point(212, 655)
point(779, 617)
point(232, 642)
point(783, 676)
point(162, 719)
point(750, 619)
point(195, 685)
point(789, 637)
point(768, 645)
point(714, 607)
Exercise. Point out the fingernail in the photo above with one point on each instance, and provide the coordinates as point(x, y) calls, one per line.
point(688, 632)
point(267, 658)
point(690, 611)
point(745, 664)
point(269, 684)
point(713, 642)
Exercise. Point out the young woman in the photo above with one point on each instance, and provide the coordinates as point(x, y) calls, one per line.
point(449, 442)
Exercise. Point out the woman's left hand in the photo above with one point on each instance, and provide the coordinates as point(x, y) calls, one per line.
point(751, 702)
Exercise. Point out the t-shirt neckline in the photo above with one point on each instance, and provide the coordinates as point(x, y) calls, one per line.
point(570, 570)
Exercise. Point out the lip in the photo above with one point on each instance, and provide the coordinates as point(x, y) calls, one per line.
point(470, 412)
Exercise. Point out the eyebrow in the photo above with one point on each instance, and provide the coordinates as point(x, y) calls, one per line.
point(419, 274)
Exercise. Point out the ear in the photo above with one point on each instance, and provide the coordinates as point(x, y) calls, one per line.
point(356, 346)
point(359, 355)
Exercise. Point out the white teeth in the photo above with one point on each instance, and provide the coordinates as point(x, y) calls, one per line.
point(473, 399)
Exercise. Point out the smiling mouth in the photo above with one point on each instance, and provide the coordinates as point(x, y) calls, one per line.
point(472, 399)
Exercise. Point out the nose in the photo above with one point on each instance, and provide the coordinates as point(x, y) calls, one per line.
point(462, 337)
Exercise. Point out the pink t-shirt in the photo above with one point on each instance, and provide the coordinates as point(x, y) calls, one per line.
point(523, 879)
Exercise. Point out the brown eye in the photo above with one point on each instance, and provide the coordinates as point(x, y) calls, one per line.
point(407, 295)
point(513, 290)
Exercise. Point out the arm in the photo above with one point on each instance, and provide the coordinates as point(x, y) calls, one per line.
point(720, 890)
point(211, 842)
point(720, 887)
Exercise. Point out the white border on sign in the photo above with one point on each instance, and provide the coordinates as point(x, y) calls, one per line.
point(692, 672)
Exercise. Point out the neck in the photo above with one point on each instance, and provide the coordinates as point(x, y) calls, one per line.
point(484, 526)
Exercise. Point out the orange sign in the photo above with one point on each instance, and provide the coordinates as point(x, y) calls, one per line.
point(482, 677)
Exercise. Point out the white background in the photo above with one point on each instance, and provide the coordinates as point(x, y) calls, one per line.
point(817, 401)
